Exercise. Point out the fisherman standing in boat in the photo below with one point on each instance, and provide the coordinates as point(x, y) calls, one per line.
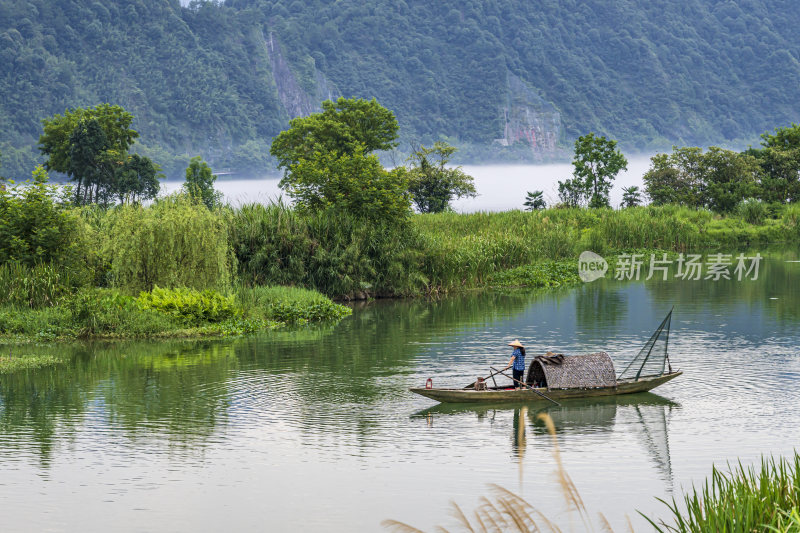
point(517, 362)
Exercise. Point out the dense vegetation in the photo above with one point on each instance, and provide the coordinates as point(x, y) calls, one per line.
point(224, 79)
point(177, 267)
point(75, 265)
point(724, 180)
point(130, 271)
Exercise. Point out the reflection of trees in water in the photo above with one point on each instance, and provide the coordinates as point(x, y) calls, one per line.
point(181, 388)
point(182, 391)
point(597, 307)
point(776, 279)
point(143, 388)
point(336, 376)
point(358, 359)
point(38, 404)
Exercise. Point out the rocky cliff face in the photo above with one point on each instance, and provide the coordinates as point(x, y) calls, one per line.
point(297, 101)
point(529, 120)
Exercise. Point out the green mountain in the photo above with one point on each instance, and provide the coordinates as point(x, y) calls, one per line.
point(499, 78)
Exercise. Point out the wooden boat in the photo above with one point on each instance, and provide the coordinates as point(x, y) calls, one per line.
point(502, 394)
point(555, 377)
point(576, 412)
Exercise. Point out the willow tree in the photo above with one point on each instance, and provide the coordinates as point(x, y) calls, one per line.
point(173, 243)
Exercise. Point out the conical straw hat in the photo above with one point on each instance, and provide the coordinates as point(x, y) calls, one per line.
point(516, 343)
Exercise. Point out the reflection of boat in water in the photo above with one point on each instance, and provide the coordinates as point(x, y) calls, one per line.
point(581, 376)
point(569, 410)
point(644, 415)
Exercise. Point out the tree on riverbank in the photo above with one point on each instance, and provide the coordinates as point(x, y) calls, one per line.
point(779, 157)
point(91, 146)
point(328, 161)
point(432, 184)
point(721, 179)
point(344, 126)
point(631, 197)
point(596, 163)
point(717, 179)
point(173, 243)
point(200, 183)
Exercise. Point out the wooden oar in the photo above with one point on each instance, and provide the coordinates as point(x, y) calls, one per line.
point(526, 385)
point(492, 375)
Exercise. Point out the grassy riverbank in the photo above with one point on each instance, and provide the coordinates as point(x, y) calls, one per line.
point(165, 313)
point(436, 253)
point(176, 268)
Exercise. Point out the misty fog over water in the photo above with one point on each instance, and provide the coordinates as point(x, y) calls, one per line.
point(500, 187)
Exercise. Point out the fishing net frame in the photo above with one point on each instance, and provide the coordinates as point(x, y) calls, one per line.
point(646, 354)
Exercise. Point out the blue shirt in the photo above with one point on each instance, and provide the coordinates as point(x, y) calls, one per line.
point(519, 359)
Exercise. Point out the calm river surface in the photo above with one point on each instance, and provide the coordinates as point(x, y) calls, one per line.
point(315, 430)
point(500, 187)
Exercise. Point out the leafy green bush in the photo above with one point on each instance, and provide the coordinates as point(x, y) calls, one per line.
point(37, 226)
point(329, 251)
point(752, 210)
point(290, 304)
point(189, 306)
point(108, 312)
point(175, 242)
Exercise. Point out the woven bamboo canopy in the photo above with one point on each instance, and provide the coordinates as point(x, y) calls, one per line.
point(576, 371)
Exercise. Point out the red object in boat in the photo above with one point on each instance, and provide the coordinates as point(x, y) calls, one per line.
point(429, 384)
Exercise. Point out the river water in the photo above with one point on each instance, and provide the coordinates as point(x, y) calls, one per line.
point(499, 187)
point(315, 430)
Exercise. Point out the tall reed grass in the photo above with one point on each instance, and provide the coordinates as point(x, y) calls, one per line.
point(38, 286)
point(342, 256)
point(742, 500)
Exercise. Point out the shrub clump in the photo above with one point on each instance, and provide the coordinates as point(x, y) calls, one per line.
point(330, 251)
point(108, 312)
point(190, 307)
point(540, 275)
point(752, 210)
point(291, 305)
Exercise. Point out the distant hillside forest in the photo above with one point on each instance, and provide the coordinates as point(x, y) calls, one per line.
point(500, 79)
